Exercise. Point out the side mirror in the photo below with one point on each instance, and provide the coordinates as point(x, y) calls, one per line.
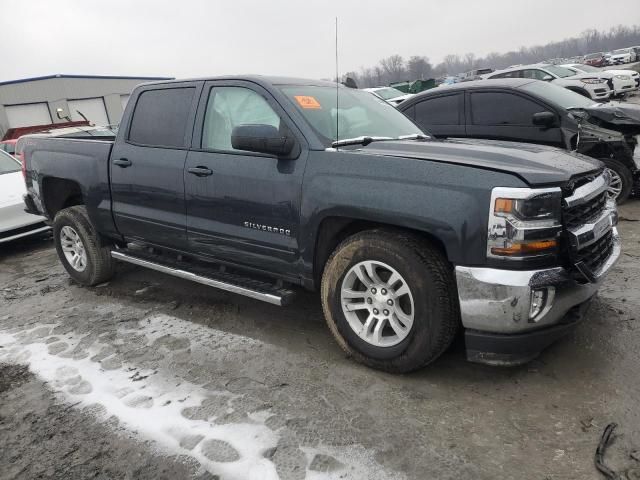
point(547, 78)
point(544, 119)
point(261, 139)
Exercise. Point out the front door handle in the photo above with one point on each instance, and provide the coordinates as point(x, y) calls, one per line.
point(122, 162)
point(200, 171)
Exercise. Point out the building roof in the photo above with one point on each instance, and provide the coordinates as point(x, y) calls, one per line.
point(100, 77)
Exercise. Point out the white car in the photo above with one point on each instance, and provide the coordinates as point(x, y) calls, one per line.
point(390, 95)
point(620, 81)
point(587, 84)
point(14, 221)
point(620, 56)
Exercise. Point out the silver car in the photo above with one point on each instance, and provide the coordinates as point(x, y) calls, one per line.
point(14, 221)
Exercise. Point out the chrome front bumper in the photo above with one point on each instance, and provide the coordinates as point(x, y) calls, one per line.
point(500, 301)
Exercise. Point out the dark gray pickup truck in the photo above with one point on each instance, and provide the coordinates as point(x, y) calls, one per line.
point(259, 185)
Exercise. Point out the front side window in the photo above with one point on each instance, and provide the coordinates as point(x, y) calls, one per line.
point(500, 109)
point(229, 107)
point(559, 95)
point(439, 111)
point(161, 116)
point(8, 164)
point(559, 72)
point(534, 74)
point(358, 113)
point(512, 74)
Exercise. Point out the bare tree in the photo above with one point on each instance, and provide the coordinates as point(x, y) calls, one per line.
point(393, 68)
point(418, 68)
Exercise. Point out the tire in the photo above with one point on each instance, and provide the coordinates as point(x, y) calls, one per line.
point(624, 174)
point(98, 264)
point(432, 296)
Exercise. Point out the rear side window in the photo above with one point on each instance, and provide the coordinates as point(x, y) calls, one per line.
point(498, 108)
point(160, 117)
point(439, 111)
point(513, 74)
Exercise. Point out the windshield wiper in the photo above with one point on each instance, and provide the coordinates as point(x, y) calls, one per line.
point(365, 140)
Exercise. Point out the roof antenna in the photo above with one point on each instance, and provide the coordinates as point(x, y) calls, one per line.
point(337, 89)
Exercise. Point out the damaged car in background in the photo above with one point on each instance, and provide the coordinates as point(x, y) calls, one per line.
point(15, 223)
point(532, 111)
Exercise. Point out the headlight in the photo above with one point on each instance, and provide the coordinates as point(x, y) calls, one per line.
point(592, 80)
point(623, 77)
point(524, 223)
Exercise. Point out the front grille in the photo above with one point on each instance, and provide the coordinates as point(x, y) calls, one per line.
point(592, 256)
point(597, 253)
point(581, 214)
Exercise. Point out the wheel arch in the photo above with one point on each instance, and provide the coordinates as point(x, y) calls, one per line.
point(333, 229)
point(58, 193)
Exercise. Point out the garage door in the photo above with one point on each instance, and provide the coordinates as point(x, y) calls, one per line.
point(92, 108)
point(28, 115)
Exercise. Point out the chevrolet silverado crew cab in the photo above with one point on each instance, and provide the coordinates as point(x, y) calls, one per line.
point(260, 185)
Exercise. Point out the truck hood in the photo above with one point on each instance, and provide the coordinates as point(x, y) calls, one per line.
point(535, 164)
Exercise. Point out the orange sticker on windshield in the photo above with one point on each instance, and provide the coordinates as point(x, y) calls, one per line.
point(307, 102)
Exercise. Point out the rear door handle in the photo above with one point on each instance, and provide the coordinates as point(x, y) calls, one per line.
point(200, 171)
point(122, 162)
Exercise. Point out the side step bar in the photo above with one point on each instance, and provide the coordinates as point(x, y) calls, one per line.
point(248, 287)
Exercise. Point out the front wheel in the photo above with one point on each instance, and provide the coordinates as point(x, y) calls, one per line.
point(390, 300)
point(621, 182)
point(79, 248)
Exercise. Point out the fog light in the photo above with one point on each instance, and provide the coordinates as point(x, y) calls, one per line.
point(541, 301)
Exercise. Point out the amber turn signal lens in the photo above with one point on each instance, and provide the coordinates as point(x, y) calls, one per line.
point(503, 205)
point(525, 248)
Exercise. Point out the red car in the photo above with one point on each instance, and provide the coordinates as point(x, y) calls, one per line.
point(595, 59)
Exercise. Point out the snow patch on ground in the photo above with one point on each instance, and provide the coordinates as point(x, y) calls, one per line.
point(152, 403)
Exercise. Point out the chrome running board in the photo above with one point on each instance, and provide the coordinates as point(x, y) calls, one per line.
point(233, 283)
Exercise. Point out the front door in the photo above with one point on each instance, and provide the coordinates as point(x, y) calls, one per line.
point(147, 167)
point(500, 115)
point(242, 208)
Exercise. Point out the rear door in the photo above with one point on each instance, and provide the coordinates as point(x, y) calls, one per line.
point(505, 115)
point(442, 115)
point(243, 208)
point(147, 165)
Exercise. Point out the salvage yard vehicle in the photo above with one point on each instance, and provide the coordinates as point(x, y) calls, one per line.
point(15, 223)
point(521, 110)
point(622, 56)
point(389, 94)
point(619, 81)
point(242, 183)
point(587, 84)
point(595, 59)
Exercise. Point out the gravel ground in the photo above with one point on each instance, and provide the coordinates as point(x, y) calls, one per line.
point(150, 376)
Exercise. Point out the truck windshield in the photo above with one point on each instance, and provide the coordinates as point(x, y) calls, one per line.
point(8, 164)
point(559, 95)
point(359, 113)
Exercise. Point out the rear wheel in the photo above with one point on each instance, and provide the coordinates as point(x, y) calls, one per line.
point(79, 247)
point(390, 300)
point(621, 179)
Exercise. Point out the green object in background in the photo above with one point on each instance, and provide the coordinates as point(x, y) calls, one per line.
point(402, 86)
point(421, 85)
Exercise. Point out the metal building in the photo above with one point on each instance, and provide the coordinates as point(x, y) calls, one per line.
point(58, 98)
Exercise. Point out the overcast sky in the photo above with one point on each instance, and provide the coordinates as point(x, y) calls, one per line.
point(185, 38)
